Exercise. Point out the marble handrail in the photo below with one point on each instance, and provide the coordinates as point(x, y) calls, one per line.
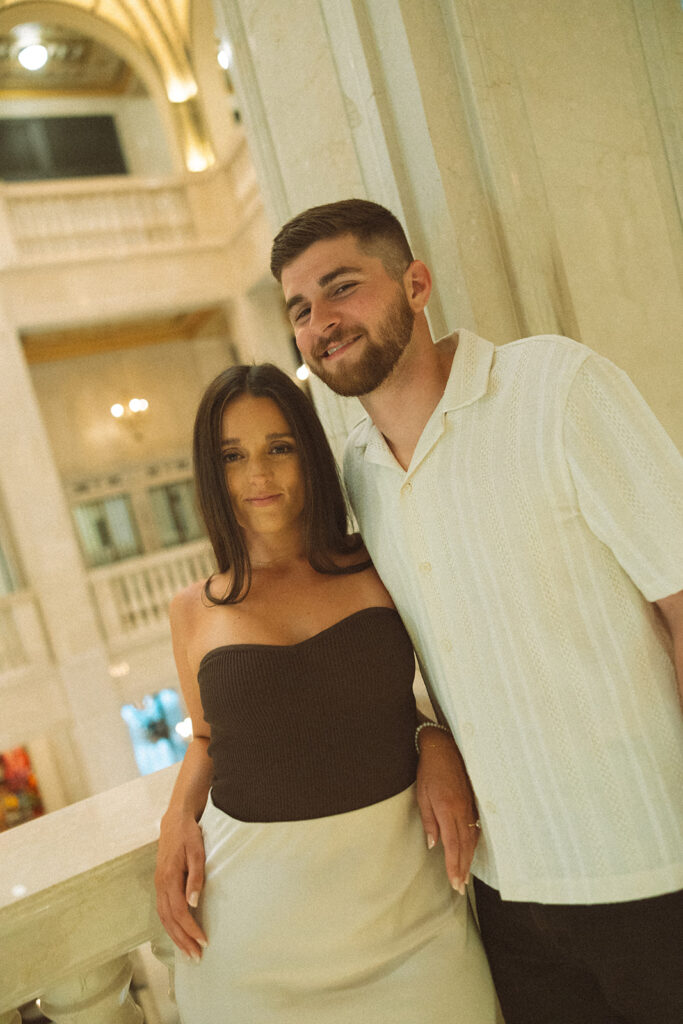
point(77, 895)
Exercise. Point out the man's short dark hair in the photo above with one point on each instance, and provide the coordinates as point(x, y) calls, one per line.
point(376, 230)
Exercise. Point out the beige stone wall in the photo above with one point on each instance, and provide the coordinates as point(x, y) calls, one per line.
point(530, 149)
point(75, 396)
point(578, 110)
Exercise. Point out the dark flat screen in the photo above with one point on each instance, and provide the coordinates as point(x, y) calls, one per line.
point(36, 148)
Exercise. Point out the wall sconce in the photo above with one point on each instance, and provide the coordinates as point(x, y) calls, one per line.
point(131, 416)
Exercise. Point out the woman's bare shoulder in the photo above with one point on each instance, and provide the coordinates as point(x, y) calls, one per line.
point(187, 599)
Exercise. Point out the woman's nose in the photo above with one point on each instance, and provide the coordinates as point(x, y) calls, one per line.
point(259, 466)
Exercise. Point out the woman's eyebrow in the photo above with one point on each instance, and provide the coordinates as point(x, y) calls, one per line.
point(269, 437)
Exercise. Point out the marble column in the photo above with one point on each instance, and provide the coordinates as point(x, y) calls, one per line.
point(542, 191)
point(43, 533)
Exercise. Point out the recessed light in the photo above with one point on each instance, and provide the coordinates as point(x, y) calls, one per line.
point(33, 57)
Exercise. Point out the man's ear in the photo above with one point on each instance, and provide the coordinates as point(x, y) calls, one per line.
point(417, 282)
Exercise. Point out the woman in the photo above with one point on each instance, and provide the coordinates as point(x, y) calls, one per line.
point(320, 901)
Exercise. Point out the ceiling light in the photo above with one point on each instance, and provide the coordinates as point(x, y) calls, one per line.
point(180, 90)
point(33, 57)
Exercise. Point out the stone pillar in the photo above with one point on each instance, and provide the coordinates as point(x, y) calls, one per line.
point(48, 773)
point(41, 525)
point(542, 192)
point(349, 120)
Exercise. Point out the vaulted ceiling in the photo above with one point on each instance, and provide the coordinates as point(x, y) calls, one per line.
point(77, 65)
point(159, 29)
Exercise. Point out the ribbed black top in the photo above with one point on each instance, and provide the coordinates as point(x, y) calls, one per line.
point(314, 728)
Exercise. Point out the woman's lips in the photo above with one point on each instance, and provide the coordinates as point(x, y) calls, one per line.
point(266, 499)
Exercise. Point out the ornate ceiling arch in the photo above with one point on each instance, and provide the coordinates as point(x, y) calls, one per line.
point(153, 36)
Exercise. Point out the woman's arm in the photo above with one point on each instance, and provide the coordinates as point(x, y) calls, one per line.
point(447, 804)
point(179, 875)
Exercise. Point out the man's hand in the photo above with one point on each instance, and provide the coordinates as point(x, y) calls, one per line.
point(179, 878)
point(447, 806)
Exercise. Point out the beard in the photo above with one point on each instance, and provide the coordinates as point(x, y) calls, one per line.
point(382, 351)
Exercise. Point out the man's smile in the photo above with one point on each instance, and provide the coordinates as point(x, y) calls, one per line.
point(337, 346)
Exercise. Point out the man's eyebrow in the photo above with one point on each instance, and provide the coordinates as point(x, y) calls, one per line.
point(327, 278)
point(322, 282)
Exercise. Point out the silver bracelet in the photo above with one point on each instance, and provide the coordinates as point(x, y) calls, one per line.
point(429, 725)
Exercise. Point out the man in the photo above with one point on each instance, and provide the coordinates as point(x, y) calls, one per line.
point(525, 510)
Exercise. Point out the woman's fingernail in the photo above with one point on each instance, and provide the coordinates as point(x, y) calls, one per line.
point(467, 880)
point(458, 886)
point(196, 957)
point(203, 943)
point(194, 899)
point(431, 841)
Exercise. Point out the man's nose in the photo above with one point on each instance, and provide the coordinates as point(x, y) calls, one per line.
point(323, 316)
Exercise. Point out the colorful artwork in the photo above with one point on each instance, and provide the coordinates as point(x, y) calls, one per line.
point(19, 794)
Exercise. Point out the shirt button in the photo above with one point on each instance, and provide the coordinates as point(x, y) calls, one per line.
point(425, 568)
point(447, 645)
point(408, 487)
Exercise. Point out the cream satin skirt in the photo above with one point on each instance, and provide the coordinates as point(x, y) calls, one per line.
point(340, 920)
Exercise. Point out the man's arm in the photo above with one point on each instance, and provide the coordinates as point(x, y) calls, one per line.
point(672, 610)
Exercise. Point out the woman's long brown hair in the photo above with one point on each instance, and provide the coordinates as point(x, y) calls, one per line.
point(326, 519)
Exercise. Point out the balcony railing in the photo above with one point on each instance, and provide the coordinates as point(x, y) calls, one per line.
point(76, 897)
point(23, 643)
point(100, 216)
point(94, 218)
point(133, 596)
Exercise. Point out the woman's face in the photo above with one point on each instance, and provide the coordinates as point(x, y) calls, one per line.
point(263, 471)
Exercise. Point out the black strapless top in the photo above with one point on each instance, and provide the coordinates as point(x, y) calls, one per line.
point(314, 728)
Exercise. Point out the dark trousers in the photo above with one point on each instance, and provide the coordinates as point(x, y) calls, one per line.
point(609, 963)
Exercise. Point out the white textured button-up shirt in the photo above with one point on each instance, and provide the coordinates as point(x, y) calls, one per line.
point(540, 515)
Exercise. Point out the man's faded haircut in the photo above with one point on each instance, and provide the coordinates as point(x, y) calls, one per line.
point(375, 229)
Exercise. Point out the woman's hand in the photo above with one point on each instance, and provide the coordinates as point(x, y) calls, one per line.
point(179, 879)
point(447, 805)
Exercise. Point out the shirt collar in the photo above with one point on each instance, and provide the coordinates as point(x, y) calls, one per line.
point(467, 382)
point(469, 377)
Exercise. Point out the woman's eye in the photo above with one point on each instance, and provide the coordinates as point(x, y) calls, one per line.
point(281, 449)
point(231, 456)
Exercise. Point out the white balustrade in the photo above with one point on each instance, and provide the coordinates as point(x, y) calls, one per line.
point(22, 638)
point(133, 596)
point(76, 897)
point(54, 220)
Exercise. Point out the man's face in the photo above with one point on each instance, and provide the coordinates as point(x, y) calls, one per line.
point(351, 320)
